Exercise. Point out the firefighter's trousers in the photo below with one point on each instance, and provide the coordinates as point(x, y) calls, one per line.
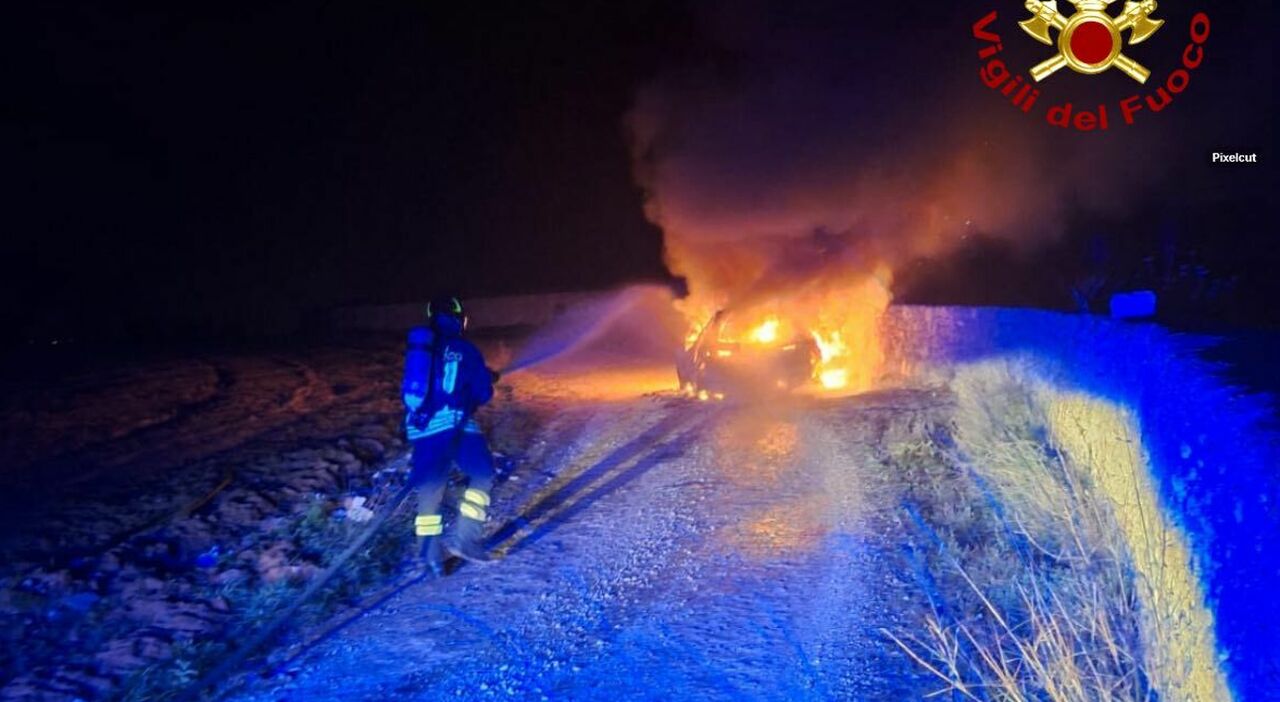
point(432, 458)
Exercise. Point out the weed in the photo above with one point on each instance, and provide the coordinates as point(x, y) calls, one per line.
point(1058, 565)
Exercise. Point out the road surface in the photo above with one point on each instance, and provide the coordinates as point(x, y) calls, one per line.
point(662, 548)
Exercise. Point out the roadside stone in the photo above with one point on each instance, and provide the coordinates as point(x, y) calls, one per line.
point(230, 576)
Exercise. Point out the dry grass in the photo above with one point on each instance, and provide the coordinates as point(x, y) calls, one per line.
point(1095, 598)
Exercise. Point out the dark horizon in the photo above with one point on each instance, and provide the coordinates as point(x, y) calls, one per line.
point(189, 169)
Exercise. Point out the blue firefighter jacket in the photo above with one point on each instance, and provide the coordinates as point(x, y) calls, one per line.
point(445, 379)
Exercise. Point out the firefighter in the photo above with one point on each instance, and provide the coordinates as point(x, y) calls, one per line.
point(445, 381)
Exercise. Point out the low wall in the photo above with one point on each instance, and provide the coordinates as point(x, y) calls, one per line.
point(1218, 470)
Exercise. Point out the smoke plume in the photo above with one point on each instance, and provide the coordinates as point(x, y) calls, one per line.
point(828, 141)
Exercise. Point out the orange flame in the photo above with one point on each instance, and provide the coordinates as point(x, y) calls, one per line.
point(766, 332)
point(831, 372)
point(842, 316)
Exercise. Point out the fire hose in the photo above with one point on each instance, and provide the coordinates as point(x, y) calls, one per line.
point(232, 663)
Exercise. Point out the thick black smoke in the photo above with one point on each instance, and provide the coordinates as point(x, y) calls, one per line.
point(835, 136)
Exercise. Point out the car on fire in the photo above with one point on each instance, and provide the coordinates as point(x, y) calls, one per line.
point(766, 356)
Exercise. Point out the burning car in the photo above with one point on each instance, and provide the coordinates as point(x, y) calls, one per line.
point(732, 354)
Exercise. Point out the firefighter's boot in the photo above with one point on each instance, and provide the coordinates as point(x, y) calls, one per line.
point(467, 542)
point(429, 528)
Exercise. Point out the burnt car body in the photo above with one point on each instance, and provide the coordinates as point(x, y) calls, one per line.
point(723, 367)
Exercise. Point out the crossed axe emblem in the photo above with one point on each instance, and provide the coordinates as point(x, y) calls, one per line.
point(1089, 40)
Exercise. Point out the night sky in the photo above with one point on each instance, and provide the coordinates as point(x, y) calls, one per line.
point(229, 168)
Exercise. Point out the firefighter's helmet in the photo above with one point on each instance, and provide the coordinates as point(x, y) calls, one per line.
point(447, 306)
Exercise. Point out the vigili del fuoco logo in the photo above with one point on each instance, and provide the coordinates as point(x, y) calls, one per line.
point(1090, 41)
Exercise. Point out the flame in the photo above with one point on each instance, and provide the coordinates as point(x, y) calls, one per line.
point(766, 332)
point(834, 378)
point(841, 315)
point(832, 372)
